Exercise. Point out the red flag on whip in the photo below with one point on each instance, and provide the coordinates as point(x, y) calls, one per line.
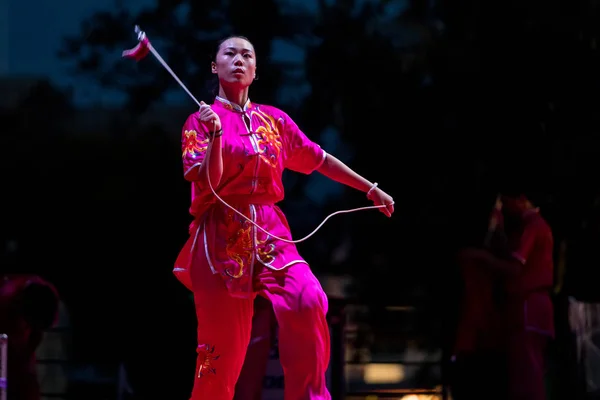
point(142, 49)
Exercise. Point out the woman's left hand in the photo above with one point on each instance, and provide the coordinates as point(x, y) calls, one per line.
point(380, 198)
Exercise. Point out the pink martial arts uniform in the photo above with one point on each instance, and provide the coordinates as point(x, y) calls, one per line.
point(227, 261)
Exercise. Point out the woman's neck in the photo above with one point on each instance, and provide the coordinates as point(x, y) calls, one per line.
point(235, 96)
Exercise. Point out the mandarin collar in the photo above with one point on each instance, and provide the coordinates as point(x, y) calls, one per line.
point(232, 106)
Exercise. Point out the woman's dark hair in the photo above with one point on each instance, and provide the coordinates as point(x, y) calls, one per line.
point(215, 82)
point(220, 43)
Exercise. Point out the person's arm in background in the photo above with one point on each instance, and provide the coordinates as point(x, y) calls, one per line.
point(511, 266)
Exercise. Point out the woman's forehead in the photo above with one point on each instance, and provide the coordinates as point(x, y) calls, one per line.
point(237, 44)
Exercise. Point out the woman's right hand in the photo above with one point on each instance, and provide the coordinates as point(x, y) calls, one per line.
point(209, 118)
point(381, 198)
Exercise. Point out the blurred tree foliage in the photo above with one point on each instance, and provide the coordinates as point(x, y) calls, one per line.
point(186, 34)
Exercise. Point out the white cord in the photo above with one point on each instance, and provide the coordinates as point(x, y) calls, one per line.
point(166, 66)
point(270, 234)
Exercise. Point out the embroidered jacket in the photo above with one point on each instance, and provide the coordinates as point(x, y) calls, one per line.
point(258, 143)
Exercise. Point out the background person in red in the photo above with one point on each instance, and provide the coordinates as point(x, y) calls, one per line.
point(477, 361)
point(528, 280)
point(28, 306)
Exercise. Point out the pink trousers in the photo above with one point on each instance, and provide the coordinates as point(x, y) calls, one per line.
point(250, 383)
point(225, 324)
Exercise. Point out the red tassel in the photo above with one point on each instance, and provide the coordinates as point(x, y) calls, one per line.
point(140, 51)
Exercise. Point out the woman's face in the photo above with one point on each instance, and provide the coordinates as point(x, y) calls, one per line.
point(235, 63)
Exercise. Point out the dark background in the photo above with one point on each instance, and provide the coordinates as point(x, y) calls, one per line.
point(438, 101)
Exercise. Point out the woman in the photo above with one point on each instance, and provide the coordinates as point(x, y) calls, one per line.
point(241, 149)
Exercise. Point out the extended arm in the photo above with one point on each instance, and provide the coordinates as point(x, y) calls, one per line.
point(336, 170)
point(303, 155)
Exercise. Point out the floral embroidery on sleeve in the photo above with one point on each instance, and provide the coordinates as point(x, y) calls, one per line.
point(192, 145)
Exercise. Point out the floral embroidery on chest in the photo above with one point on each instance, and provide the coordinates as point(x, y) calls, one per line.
point(269, 139)
point(192, 145)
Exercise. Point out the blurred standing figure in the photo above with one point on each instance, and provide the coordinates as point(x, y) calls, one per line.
point(477, 361)
point(28, 306)
point(528, 276)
